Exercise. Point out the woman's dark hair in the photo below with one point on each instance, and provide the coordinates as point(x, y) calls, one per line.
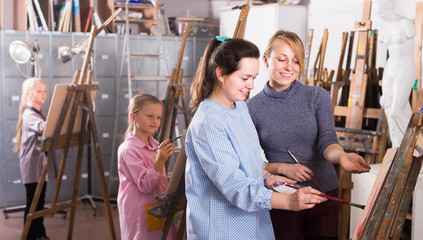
point(225, 55)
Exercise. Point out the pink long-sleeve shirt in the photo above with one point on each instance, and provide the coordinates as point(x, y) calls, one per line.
point(139, 184)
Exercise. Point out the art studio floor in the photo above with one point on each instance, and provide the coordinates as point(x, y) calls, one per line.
point(86, 225)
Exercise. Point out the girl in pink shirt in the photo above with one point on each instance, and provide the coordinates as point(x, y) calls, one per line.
point(142, 172)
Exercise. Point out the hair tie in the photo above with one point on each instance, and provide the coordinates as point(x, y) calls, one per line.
point(222, 38)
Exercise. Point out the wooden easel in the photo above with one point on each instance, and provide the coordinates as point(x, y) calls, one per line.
point(175, 94)
point(242, 20)
point(174, 200)
point(387, 206)
point(352, 137)
point(307, 54)
point(339, 72)
point(318, 71)
point(345, 75)
point(78, 99)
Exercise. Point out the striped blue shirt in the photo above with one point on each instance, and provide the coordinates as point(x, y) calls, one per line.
point(224, 176)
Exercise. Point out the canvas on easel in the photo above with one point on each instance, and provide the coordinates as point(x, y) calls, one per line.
point(57, 101)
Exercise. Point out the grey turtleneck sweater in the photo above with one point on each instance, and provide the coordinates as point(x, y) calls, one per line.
point(300, 119)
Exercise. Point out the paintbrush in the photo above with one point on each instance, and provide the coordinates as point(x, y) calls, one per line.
point(178, 137)
point(329, 197)
point(295, 159)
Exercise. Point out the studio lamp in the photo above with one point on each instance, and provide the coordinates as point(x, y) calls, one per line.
point(22, 52)
point(65, 52)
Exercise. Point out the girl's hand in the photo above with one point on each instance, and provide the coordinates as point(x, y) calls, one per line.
point(298, 172)
point(166, 149)
point(304, 198)
point(277, 179)
point(353, 163)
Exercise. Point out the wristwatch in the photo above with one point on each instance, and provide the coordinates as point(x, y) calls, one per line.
point(266, 178)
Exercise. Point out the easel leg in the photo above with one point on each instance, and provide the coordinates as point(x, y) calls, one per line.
point(100, 166)
point(65, 152)
point(345, 186)
point(182, 227)
point(77, 169)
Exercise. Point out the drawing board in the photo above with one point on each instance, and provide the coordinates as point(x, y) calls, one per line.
point(57, 102)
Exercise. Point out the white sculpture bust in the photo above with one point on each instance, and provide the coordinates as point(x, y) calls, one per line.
point(399, 73)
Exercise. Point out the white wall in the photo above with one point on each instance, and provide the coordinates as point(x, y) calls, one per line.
point(340, 16)
point(262, 22)
point(186, 8)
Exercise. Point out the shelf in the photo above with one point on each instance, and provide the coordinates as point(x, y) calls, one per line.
point(133, 7)
point(137, 21)
point(144, 25)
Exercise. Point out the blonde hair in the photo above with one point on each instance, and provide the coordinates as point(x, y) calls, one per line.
point(293, 41)
point(27, 87)
point(137, 103)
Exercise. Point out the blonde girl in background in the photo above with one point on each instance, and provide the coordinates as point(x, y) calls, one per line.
point(142, 172)
point(30, 127)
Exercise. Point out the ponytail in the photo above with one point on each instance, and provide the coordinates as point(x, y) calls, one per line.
point(202, 84)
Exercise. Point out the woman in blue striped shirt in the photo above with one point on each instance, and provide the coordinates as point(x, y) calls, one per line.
point(227, 197)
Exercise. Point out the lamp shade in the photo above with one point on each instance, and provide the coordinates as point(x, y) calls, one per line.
point(64, 52)
point(20, 51)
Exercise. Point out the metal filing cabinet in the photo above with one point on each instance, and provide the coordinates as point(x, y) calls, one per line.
point(2, 155)
point(2, 50)
point(9, 131)
point(2, 183)
point(172, 50)
point(124, 100)
point(105, 133)
point(133, 41)
point(43, 41)
point(147, 66)
point(200, 45)
point(83, 182)
point(15, 190)
point(95, 183)
point(60, 69)
point(2, 143)
point(68, 175)
point(187, 60)
point(11, 96)
point(105, 99)
point(122, 126)
point(105, 52)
